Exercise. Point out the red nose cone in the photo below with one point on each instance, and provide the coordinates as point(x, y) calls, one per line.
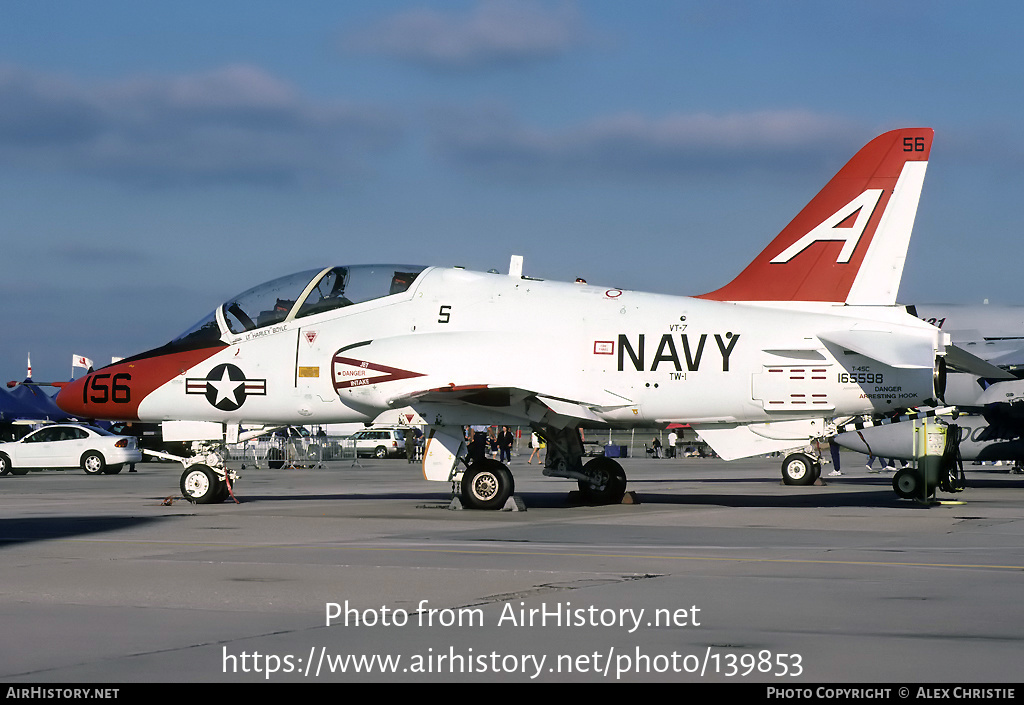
point(69, 398)
point(114, 392)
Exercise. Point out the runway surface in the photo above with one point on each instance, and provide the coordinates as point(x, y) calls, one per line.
point(719, 574)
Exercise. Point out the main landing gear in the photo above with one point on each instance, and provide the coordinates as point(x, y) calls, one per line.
point(488, 484)
point(800, 469)
point(605, 482)
point(601, 480)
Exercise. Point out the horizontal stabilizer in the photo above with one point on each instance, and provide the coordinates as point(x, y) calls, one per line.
point(966, 362)
point(901, 349)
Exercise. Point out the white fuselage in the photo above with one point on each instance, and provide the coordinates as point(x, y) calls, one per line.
point(614, 356)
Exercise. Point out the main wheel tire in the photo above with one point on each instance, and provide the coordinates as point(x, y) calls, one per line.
point(380, 452)
point(607, 484)
point(93, 463)
point(5, 464)
point(798, 469)
point(200, 485)
point(487, 484)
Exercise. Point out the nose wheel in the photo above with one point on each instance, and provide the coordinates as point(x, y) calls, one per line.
point(200, 484)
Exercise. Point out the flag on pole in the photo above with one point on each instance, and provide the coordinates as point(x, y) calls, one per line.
point(29, 376)
point(79, 361)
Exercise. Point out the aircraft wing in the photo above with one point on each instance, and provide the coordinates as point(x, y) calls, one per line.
point(520, 403)
point(733, 441)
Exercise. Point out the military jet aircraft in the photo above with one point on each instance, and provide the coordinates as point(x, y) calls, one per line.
point(808, 331)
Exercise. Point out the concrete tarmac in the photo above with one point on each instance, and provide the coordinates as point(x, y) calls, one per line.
point(719, 574)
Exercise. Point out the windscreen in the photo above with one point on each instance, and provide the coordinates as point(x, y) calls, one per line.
point(271, 302)
point(344, 286)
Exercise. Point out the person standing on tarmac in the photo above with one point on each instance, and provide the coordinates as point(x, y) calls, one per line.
point(410, 445)
point(538, 445)
point(505, 440)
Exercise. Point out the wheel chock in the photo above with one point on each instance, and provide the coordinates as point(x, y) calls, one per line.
point(514, 504)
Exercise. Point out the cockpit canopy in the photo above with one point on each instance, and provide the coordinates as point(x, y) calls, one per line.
point(300, 295)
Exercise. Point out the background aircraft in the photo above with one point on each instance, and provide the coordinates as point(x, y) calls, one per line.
point(808, 331)
point(989, 420)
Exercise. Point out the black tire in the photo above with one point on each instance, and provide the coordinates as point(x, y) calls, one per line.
point(487, 484)
point(222, 492)
point(7, 469)
point(608, 483)
point(799, 469)
point(93, 463)
point(200, 485)
point(908, 484)
point(112, 469)
point(380, 452)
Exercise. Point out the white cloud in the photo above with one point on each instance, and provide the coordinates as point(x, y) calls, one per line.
point(492, 32)
point(630, 143)
point(232, 124)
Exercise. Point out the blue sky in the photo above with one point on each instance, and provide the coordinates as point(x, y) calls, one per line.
point(157, 158)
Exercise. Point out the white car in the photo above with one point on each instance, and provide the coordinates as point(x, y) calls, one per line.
point(69, 446)
point(379, 442)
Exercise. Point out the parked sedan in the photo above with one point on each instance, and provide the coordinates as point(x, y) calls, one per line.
point(69, 446)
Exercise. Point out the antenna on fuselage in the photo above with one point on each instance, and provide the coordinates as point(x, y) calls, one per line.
point(515, 266)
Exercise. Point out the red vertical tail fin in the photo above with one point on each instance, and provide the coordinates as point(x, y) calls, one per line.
point(848, 245)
